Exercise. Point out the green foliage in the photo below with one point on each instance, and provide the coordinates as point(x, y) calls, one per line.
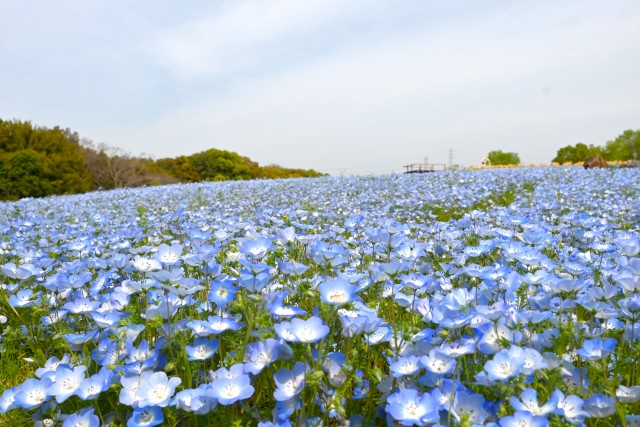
point(626, 146)
point(38, 162)
point(575, 154)
point(499, 157)
point(219, 165)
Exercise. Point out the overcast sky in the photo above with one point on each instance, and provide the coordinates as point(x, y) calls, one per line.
point(341, 86)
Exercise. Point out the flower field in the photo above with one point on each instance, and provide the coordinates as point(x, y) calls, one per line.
point(504, 297)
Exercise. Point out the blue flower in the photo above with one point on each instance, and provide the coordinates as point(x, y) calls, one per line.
point(202, 349)
point(503, 366)
point(524, 419)
point(571, 407)
point(83, 418)
point(156, 389)
point(256, 249)
point(336, 291)
point(195, 400)
point(229, 390)
point(222, 292)
point(258, 355)
point(31, 393)
point(469, 405)
point(405, 365)
point(310, 330)
point(600, 406)
point(410, 408)
point(91, 387)
point(169, 255)
point(66, 383)
point(530, 404)
point(23, 298)
point(596, 349)
point(146, 417)
point(289, 383)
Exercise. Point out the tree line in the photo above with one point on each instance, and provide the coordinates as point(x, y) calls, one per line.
point(38, 161)
point(625, 146)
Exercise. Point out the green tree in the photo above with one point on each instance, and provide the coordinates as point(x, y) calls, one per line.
point(575, 154)
point(25, 175)
point(218, 165)
point(499, 157)
point(38, 162)
point(625, 147)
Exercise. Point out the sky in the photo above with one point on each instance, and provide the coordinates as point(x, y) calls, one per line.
point(345, 87)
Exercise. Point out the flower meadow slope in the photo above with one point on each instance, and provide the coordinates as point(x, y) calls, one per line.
point(498, 297)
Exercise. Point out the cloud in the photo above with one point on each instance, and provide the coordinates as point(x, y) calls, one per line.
point(363, 85)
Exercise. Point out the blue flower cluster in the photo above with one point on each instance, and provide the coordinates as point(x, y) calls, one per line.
point(504, 297)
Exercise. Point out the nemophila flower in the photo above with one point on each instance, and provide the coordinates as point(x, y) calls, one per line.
point(470, 406)
point(7, 399)
point(156, 389)
point(406, 365)
point(107, 353)
point(326, 253)
point(222, 292)
point(140, 353)
point(308, 331)
point(380, 335)
point(504, 365)
point(202, 349)
point(21, 272)
point(81, 306)
point(50, 366)
point(600, 406)
point(451, 319)
point(524, 419)
point(457, 349)
point(438, 362)
point(130, 383)
point(291, 267)
point(166, 307)
point(632, 420)
point(571, 408)
point(66, 382)
point(169, 255)
point(148, 416)
point(596, 349)
point(289, 383)
point(91, 387)
point(219, 324)
point(146, 265)
point(630, 307)
point(495, 336)
point(195, 400)
point(337, 291)
point(256, 249)
point(254, 283)
point(229, 390)
point(529, 402)
point(31, 393)
point(286, 235)
point(628, 394)
point(24, 298)
point(334, 367)
point(278, 308)
point(83, 418)
point(260, 354)
point(410, 408)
